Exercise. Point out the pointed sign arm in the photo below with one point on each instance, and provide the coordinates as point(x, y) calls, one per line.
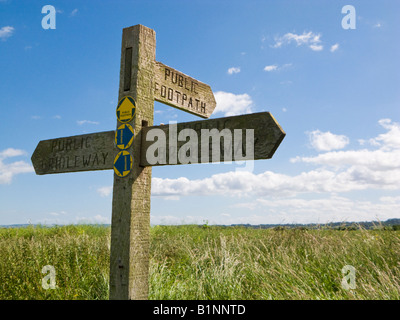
point(181, 91)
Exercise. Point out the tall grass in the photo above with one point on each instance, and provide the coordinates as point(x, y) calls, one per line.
point(79, 254)
point(226, 263)
point(192, 262)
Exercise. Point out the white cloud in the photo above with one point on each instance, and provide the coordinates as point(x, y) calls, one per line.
point(316, 195)
point(365, 169)
point(9, 170)
point(390, 139)
point(56, 214)
point(371, 159)
point(332, 208)
point(171, 198)
point(390, 199)
point(233, 70)
point(6, 32)
point(270, 68)
point(324, 210)
point(334, 47)
point(309, 39)
point(336, 172)
point(316, 47)
point(74, 12)
point(97, 219)
point(326, 141)
point(11, 152)
point(275, 67)
point(174, 220)
point(105, 191)
point(231, 104)
point(82, 122)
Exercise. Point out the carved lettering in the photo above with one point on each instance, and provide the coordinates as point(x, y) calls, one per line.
point(167, 73)
point(67, 162)
point(86, 160)
point(178, 90)
point(163, 91)
point(170, 94)
point(67, 144)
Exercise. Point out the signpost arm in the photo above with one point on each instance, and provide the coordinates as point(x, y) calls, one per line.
point(130, 226)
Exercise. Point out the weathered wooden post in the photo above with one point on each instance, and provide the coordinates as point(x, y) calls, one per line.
point(130, 225)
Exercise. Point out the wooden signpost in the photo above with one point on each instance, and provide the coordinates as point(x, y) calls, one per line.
point(131, 150)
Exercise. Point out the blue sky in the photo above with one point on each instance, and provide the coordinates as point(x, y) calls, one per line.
point(334, 91)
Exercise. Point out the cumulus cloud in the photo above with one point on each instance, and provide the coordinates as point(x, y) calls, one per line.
point(335, 172)
point(310, 39)
point(9, 170)
point(327, 141)
point(390, 139)
point(244, 183)
point(317, 194)
point(333, 208)
point(6, 32)
point(233, 70)
point(231, 104)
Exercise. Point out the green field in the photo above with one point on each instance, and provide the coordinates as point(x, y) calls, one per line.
point(206, 262)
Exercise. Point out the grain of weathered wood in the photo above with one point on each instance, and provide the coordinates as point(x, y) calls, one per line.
point(130, 225)
point(178, 90)
point(267, 136)
point(85, 152)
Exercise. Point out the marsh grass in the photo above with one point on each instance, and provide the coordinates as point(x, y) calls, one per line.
point(209, 262)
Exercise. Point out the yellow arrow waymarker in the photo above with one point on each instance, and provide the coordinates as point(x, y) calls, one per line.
point(126, 109)
point(123, 163)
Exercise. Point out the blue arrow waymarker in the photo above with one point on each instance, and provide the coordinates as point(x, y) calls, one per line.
point(123, 163)
point(124, 136)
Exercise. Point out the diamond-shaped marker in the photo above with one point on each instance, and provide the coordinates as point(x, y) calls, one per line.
point(124, 136)
point(123, 163)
